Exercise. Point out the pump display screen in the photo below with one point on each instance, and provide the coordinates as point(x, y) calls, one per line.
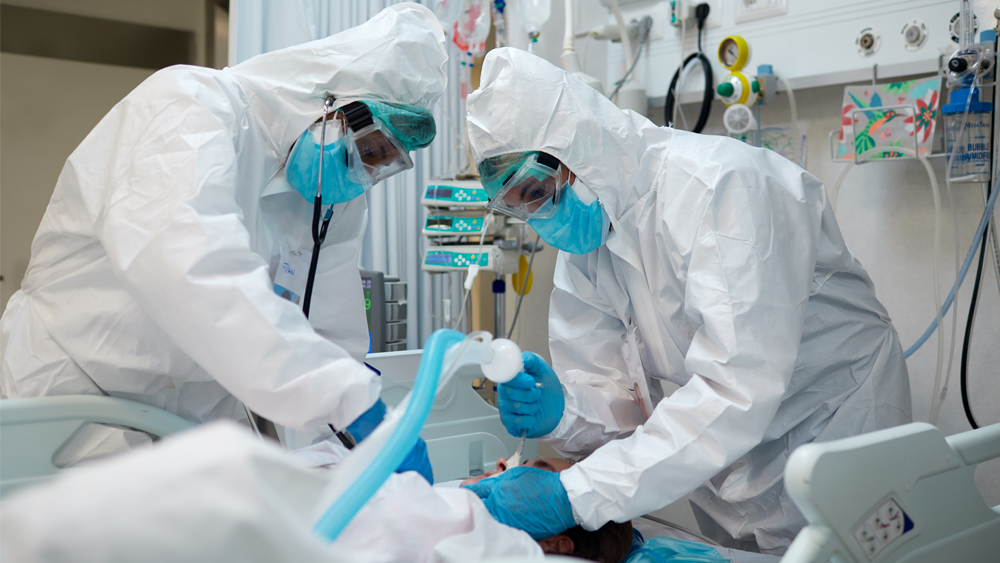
point(438, 193)
point(439, 259)
point(440, 222)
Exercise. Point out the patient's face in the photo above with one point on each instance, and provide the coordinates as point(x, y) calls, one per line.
point(544, 463)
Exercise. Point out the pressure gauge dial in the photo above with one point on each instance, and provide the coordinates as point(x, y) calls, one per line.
point(733, 53)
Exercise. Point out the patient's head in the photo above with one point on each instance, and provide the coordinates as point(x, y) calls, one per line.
point(553, 464)
point(609, 544)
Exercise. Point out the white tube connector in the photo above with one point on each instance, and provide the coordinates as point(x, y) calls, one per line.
point(507, 361)
point(470, 278)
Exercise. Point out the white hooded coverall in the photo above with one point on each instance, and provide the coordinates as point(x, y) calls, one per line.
point(725, 273)
point(152, 271)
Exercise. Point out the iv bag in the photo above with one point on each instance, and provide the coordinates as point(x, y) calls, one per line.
point(534, 14)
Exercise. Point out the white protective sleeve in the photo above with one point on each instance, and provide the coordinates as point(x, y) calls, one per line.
point(235, 498)
point(190, 267)
point(748, 283)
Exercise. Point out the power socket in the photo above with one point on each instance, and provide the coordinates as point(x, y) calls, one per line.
point(680, 10)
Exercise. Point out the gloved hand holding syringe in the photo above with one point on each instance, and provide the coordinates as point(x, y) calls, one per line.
point(530, 402)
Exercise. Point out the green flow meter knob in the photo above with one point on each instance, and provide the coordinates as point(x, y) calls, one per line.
point(725, 89)
point(755, 87)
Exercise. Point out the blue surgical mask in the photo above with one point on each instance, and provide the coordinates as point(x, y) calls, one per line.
point(576, 227)
point(302, 169)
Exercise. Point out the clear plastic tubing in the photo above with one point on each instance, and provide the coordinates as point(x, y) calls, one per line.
point(399, 444)
point(987, 213)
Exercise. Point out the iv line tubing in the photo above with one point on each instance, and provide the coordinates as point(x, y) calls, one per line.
point(987, 213)
point(482, 238)
point(937, 283)
point(524, 285)
point(795, 118)
point(939, 394)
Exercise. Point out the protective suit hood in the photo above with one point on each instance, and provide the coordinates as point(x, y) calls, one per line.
point(397, 56)
point(602, 144)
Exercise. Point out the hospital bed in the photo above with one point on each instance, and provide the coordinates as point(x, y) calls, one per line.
point(32, 431)
point(901, 495)
point(464, 434)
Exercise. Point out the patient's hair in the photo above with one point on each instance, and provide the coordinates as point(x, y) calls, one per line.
point(609, 544)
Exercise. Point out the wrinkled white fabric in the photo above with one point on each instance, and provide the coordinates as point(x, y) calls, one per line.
point(152, 270)
point(729, 264)
point(216, 493)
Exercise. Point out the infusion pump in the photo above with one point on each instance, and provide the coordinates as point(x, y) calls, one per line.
point(456, 214)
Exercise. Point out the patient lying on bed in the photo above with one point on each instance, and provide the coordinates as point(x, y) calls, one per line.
point(450, 517)
point(609, 544)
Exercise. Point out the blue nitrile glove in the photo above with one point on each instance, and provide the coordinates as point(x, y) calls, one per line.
point(416, 460)
point(527, 407)
point(528, 499)
point(366, 423)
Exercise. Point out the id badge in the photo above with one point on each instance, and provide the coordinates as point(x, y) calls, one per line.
point(293, 269)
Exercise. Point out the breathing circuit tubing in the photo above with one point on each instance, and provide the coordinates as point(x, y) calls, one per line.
point(397, 445)
point(368, 466)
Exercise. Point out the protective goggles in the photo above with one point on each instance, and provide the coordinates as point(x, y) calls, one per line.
point(532, 192)
point(373, 152)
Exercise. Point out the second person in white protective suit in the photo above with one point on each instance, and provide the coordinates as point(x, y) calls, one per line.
point(175, 228)
point(694, 259)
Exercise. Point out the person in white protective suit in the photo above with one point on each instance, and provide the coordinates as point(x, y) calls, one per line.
point(693, 259)
point(174, 228)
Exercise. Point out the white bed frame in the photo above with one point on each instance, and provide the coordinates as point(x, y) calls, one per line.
point(33, 430)
point(905, 494)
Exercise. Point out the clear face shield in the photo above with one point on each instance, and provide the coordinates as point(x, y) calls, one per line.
point(530, 193)
point(373, 152)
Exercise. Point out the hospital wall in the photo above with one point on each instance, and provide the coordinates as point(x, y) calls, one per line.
point(886, 214)
point(50, 103)
point(40, 127)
